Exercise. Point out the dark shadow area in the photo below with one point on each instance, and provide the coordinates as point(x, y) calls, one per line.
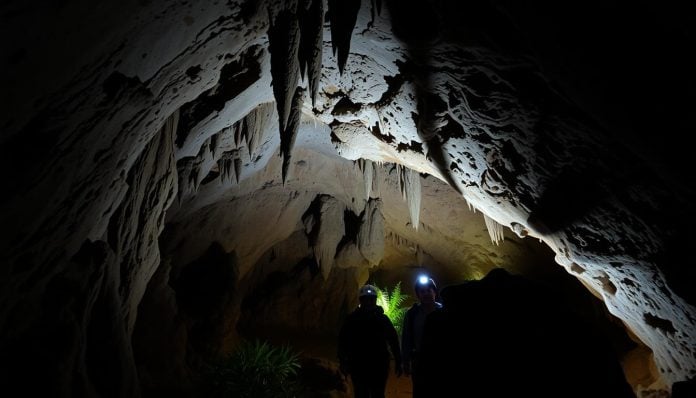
point(205, 290)
point(684, 389)
point(506, 335)
point(574, 192)
point(624, 63)
point(676, 260)
point(320, 378)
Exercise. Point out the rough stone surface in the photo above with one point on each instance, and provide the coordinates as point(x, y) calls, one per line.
point(557, 132)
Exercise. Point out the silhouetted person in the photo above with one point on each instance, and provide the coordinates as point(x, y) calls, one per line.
point(412, 330)
point(507, 336)
point(364, 342)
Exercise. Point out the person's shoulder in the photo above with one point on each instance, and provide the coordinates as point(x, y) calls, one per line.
point(379, 312)
point(411, 311)
point(353, 314)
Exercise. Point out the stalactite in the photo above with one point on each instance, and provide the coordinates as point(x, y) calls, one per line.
point(419, 255)
point(259, 124)
point(367, 170)
point(343, 14)
point(185, 176)
point(368, 176)
point(311, 15)
point(181, 183)
point(244, 128)
point(400, 179)
point(204, 150)
point(413, 195)
point(237, 166)
point(214, 140)
point(495, 230)
point(237, 129)
point(378, 5)
point(189, 174)
point(371, 234)
point(410, 187)
point(251, 127)
point(248, 131)
point(251, 131)
point(375, 180)
point(283, 44)
point(324, 226)
point(225, 164)
point(196, 172)
point(288, 136)
point(193, 178)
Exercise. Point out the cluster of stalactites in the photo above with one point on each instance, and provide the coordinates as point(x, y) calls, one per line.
point(226, 150)
point(495, 230)
point(295, 41)
point(324, 225)
point(409, 186)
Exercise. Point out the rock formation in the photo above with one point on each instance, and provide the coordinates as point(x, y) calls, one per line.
point(295, 147)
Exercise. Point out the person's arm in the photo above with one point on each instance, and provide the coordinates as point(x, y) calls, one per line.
point(393, 340)
point(407, 341)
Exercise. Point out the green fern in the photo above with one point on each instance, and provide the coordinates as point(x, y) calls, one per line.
point(391, 304)
point(256, 369)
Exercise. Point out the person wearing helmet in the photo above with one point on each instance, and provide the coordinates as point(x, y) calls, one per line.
point(364, 344)
point(412, 330)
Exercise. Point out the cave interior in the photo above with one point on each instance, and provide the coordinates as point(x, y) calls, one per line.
point(182, 177)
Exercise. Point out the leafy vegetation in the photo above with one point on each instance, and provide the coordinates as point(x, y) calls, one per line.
point(256, 370)
point(391, 304)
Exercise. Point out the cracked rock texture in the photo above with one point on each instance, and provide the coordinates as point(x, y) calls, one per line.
point(224, 167)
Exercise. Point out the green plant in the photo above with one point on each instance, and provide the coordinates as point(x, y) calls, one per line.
point(256, 369)
point(391, 304)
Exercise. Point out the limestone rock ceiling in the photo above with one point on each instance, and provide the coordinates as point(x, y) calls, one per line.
point(259, 102)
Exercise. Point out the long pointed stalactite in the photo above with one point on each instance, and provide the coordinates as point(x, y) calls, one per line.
point(284, 44)
point(342, 16)
point(311, 44)
point(289, 135)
